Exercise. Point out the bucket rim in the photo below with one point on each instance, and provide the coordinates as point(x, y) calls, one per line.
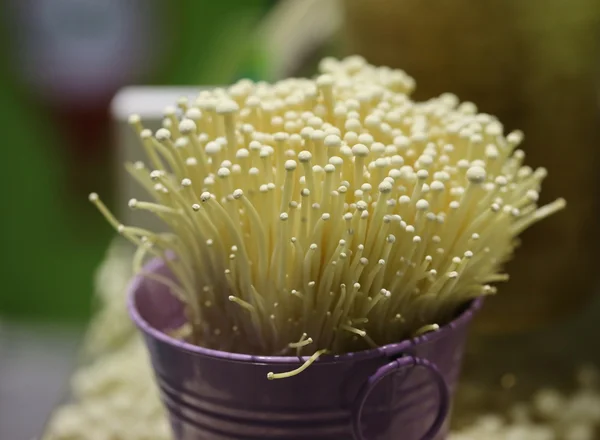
point(387, 350)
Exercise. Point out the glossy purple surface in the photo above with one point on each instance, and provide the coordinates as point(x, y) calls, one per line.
point(398, 391)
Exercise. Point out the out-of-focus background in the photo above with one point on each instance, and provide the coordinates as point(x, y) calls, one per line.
point(534, 64)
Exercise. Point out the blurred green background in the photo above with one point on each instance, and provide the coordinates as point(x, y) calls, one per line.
point(56, 139)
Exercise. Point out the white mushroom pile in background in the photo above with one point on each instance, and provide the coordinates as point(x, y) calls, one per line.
point(113, 393)
point(549, 415)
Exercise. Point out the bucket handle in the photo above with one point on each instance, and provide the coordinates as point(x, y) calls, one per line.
point(393, 367)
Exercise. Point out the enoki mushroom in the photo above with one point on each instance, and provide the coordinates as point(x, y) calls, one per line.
point(329, 215)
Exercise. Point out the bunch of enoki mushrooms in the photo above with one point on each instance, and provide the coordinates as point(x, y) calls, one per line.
point(328, 215)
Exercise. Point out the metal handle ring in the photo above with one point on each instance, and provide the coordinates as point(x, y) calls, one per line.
point(393, 367)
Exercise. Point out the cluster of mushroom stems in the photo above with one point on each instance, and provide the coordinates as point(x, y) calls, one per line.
point(329, 215)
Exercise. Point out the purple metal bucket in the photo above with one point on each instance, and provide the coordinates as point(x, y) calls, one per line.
point(396, 392)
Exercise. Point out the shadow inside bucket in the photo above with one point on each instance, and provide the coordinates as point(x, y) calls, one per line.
point(159, 307)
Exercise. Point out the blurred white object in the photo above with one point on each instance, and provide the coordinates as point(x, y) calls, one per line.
point(149, 103)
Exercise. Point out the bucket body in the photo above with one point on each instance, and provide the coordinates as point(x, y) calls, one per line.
point(399, 391)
